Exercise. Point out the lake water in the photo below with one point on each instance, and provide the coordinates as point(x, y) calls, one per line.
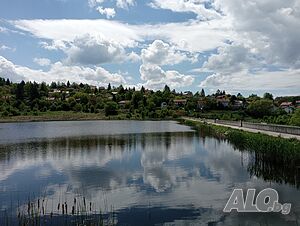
point(134, 172)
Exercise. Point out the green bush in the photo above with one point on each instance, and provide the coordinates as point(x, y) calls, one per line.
point(111, 108)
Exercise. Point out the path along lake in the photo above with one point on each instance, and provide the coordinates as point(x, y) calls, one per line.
point(141, 172)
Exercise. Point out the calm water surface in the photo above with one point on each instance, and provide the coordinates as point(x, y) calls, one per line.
point(148, 173)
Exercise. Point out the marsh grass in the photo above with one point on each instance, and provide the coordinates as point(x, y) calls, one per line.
point(254, 142)
point(36, 213)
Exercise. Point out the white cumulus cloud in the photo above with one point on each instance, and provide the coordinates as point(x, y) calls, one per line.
point(42, 61)
point(108, 12)
point(94, 51)
point(124, 4)
point(60, 72)
point(161, 53)
point(286, 82)
point(195, 6)
point(156, 78)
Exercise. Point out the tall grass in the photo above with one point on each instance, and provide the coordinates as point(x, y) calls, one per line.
point(256, 142)
point(79, 213)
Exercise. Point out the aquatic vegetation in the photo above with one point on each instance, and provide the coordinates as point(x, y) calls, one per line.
point(80, 213)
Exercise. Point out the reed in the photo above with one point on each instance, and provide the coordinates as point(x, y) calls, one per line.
point(253, 142)
point(80, 213)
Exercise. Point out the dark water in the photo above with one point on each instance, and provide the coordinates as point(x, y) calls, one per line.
point(145, 173)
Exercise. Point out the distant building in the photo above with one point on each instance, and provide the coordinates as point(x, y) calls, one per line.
point(55, 91)
point(289, 110)
point(288, 107)
point(93, 88)
point(188, 93)
point(237, 104)
point(297, 104)
point(223, 100)
point(180, 103)
point(50, 98)
point(201, 104)
point(286, 104)
point(123, 103)
point(6, 97)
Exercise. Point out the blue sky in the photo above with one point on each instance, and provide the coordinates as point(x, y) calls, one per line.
point(234, 45)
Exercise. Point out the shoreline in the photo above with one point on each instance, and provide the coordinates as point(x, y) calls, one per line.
point(250, 130)
point(249, 140)
point(72, 116)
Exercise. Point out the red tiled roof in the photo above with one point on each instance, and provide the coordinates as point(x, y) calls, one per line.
point(286, 104)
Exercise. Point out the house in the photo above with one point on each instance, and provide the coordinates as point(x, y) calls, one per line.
point(286, 104)
point(55, 91)
point(93, 88)
point(201, 104)
point(66, 93)
point(297, 104)
point(180, 103)
point(287, 107)
point(188, 93)
point(123, 103)
point(6, 97)
point(223, 100)
point(237, 104)
point(50, 98)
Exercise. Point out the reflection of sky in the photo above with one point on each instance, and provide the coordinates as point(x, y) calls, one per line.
point(167, 171)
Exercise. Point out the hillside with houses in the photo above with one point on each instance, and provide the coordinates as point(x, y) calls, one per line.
point(31, 98)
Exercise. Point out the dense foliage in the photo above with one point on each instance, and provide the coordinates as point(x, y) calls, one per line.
point(31, 98)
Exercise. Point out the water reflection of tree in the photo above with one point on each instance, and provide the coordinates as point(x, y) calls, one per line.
point(66, 146)
point(275, 168)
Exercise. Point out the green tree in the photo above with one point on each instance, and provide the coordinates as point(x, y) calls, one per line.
point(32, 91)
point(295, 119)
point(136, 98)
point(20, 91)
point(53, 85)
point(121, 90)
point(44, 90)
point(167, 89)
point(7, 82)
point(202, 94)
point(2, 81)
point(268, 96)
point(111, 108)
point(260, 108)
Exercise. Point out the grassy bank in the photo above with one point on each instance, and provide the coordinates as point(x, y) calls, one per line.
point(251, 141)
point(54, 116)
point(75, 116)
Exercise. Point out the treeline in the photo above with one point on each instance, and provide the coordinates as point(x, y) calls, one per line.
point(26, 98)
point(31, 98)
